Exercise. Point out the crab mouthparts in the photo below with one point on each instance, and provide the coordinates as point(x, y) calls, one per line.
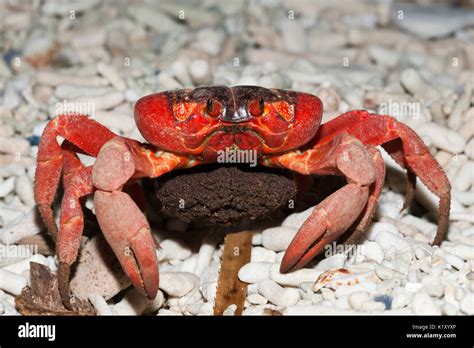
point(241, 115)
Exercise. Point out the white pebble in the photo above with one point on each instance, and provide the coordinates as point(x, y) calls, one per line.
point(296, 220)
point(260, 309)
point(357, 299)
point(376, 227)
point(384, 273)
point(14, 145)
point(435, 290)
point(257, 299)
point(100, 305)
point(252, 288)
point(12, 282)
point(257, 239)
point(260, 254)
point(230, 310)
point(189, 265)
point(7, 186)
point(332, 262)
point(278, 238)
point(465, 177)
point(442, 137)
point(24, 265)
point(372, 251)
point(205, 254)
point(293, 36)
point(23, 226)
point(469, 150)
point(200, 72)
point(388, 239)
point(414, 83)
point(400, 299)
point(389, 209)
point(24, 190)
point(134, 303)
point(295, 278)
point(424, 226)
point(12, 169)
point(449, 309)
point(209, 282)
point(467, 304)
point(464, 251)
point(373, 306)
point(274, 293)
point(345, 290)
point(422, 304)
point(466, 198)
point(209, 41)
point(178, 283)
point(111, 75)
point(171, 249)
point(319, 309)
point(454, 261)
point(206, 309)
point(255, 272)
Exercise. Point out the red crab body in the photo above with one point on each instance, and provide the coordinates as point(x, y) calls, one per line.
point(186, 128)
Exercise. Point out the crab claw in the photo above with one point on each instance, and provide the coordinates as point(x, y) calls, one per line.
point(328, 221)
point(128, 233)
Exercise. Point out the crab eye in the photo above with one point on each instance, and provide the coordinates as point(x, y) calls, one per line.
point(213, 108)
point(257, 107)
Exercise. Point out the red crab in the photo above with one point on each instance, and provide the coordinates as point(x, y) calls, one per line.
point(186, 128)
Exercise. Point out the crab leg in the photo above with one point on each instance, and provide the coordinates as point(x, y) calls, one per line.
point(405, 146)
point(354, 233)
point(86, 134)
point(121, 220)
point(77, 183)
point(344, 155)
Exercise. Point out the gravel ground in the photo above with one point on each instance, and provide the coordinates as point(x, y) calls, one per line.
point(392, 58)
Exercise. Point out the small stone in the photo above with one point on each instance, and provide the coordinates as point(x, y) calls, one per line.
point(278, 238)
point(98, 271)
point(454, 261)
point(467, 304)
point(372, 251)
point(178, 283)
point(332, 262)
point(295, 278)
point(7, 186)
point(449, 309)
point(282, 297)
point(260, 254)
point(257, 299)
point(255, 272)
point(373, 306)
point(436, 290)
point(422, 304)
point(387, 239)
point(296, 220)
point(171, 249)
point(200, 72)
point(400, 299)
point(357, 299)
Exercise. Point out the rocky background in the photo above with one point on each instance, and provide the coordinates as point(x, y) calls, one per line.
point(412, 62)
